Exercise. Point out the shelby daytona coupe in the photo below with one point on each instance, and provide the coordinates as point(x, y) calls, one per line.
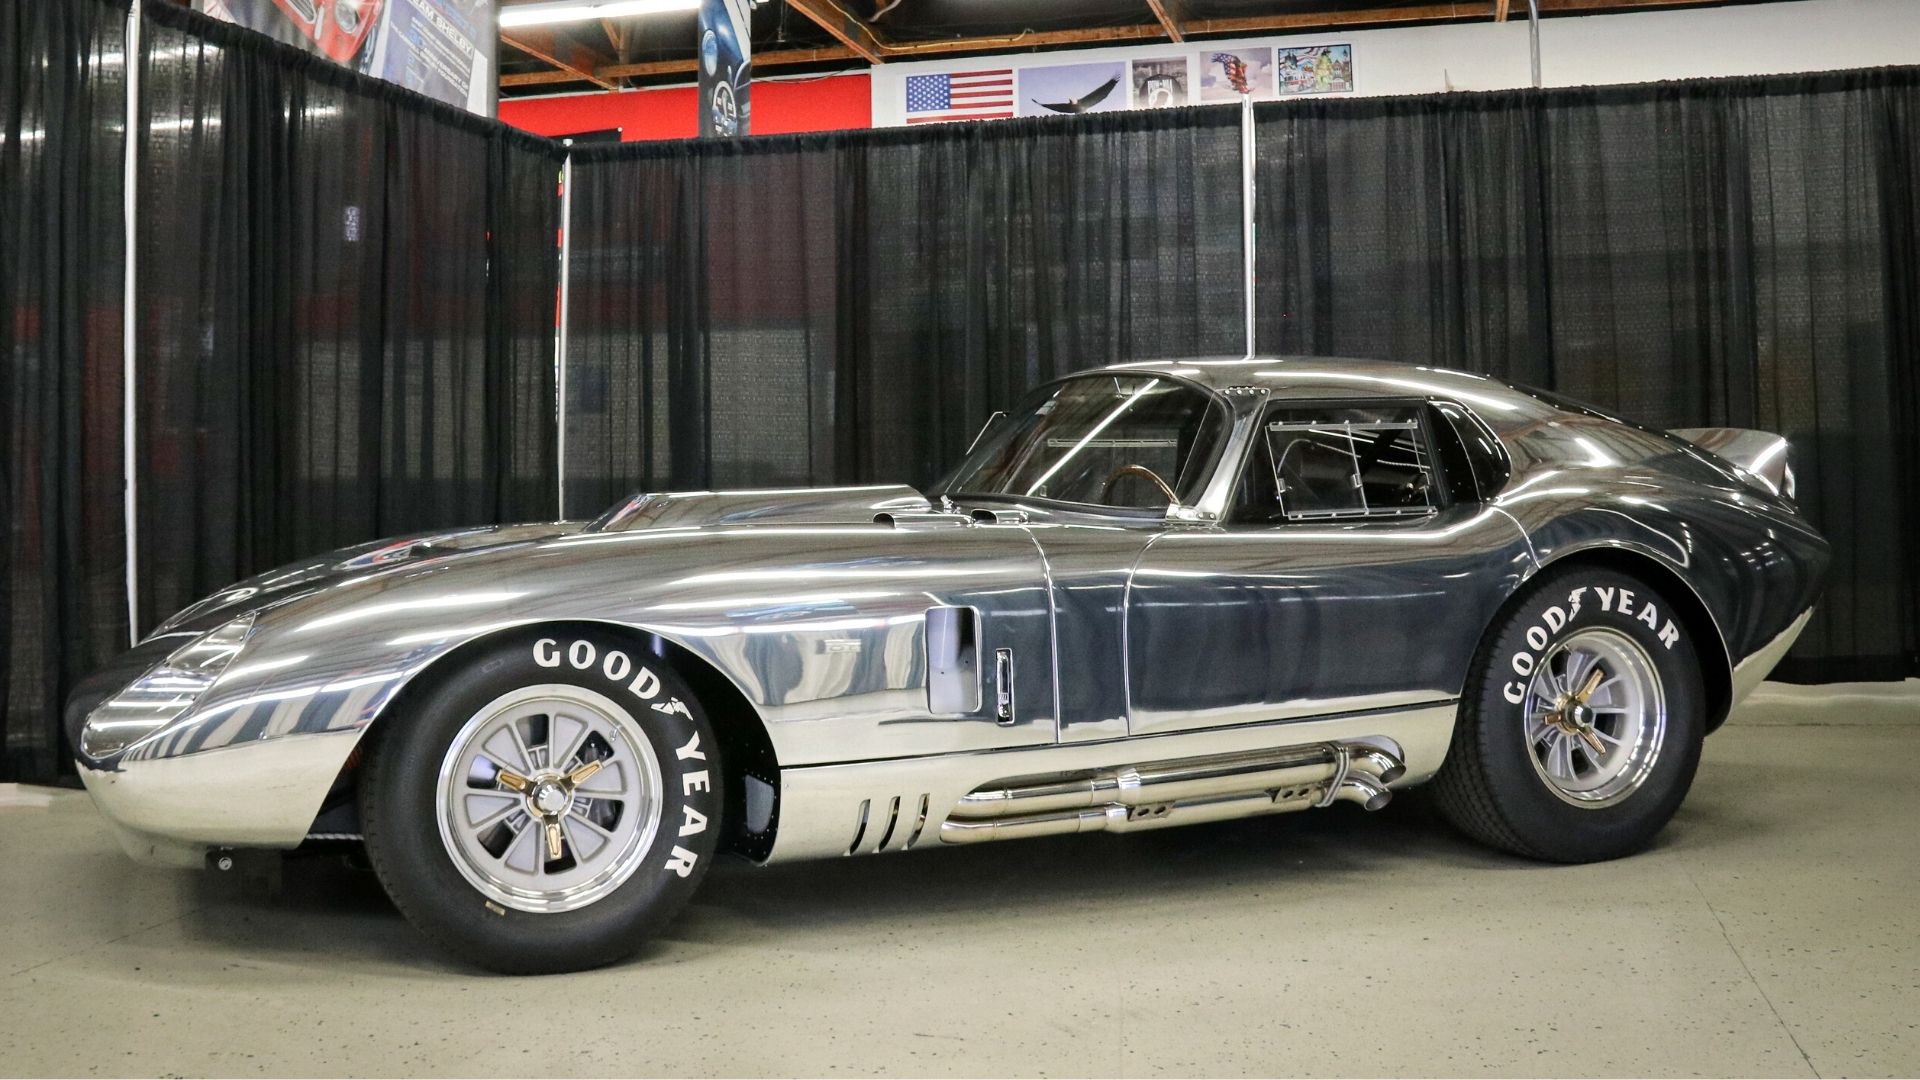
point(1154, 594)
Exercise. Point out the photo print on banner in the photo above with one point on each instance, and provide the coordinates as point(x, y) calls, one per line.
point(1315, 69)
point(1229, 74)
point(440, 48)
point(984, 94)
point(726, 69)
point(1071, 89)
point(1159, 82)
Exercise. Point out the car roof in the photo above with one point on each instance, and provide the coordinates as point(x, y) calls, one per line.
point(1324, 377)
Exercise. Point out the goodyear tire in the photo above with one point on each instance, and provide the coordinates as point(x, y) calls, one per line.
point(1582, 722)
point(547, 806)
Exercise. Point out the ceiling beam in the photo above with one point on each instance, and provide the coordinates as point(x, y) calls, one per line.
point(770, 58)
point(1605, 5)
point(538, 78)
point(541, 44)
point(851, 32)
point(1459, 11)
point(1244, 24)
point(1168, 12)
point(617, 36)
point(859, 41)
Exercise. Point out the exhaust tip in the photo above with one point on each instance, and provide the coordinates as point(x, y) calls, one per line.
point(1364, 790)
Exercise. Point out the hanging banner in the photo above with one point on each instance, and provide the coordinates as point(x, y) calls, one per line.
point(726, 68)
point(441, 48)
point(1158, 76)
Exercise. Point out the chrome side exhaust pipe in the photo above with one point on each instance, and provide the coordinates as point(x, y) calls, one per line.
point(1187, 791)
point(1360, 788)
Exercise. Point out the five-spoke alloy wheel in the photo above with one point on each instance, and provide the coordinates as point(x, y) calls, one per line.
point(1596, 717)
point(548, 797)
point(1581, 724)
point(546, 804)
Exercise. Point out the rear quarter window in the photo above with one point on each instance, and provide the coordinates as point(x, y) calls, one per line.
point(1315, 462)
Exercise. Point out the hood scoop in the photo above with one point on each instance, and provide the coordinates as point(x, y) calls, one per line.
point(423, 546)
point(787, 506)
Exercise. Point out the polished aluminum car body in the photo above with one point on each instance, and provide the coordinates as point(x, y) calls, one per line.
point(910, 671)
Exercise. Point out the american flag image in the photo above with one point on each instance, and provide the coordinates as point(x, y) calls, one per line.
point(960, 95)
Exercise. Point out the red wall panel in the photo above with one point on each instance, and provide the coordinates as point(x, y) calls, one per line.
point(833, 103)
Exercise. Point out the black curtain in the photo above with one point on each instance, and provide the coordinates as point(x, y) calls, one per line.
point(347, 296)
point(347, 300)
point(850, 307)
point(1728, 252)
point(63, 546)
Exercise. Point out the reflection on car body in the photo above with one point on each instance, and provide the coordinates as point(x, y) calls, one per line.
point(1153, 594)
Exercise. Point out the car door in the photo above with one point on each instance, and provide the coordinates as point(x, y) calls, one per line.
point(1355, 569)
point(1093, 466)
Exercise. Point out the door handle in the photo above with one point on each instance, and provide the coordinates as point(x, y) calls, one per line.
point(1003, 685)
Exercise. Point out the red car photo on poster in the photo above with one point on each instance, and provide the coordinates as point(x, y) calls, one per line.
point(339, 28)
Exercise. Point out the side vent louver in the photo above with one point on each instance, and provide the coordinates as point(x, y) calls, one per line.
point(919, 823)
point(860, 826)
point(896, 832)
point(893, 819)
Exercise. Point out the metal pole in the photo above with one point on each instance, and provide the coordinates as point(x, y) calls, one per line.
point(1246, 211)
point(129, 388)
point(1533, 33)
point(560, 335)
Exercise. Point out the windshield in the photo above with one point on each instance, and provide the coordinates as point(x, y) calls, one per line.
point(1130, 441)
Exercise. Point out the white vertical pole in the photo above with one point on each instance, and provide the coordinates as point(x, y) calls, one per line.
point(1533, 33)
point(560, 337)
point(130, 396)
point(1246, 210)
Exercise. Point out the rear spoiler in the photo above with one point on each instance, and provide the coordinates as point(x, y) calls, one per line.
point(1760, 456)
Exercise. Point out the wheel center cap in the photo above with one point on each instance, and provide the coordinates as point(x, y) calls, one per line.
point(550, 799)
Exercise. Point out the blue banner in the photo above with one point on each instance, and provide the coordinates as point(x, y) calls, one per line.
point(726, 68)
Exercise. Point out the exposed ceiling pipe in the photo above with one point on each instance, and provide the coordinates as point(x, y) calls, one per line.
point(1533, 32)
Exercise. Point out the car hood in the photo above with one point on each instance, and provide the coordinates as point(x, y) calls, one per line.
point(649, 510)
point(305, 576)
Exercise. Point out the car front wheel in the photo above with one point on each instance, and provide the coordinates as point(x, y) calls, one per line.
point(1582, 723)
point(546, 806)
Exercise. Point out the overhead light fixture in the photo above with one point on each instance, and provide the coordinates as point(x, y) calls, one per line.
point(575, 11)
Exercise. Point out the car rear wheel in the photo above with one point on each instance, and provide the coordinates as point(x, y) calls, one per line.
point(1582, 723)
point(547, 806)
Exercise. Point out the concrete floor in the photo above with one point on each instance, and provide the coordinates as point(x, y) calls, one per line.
point(1774, 930)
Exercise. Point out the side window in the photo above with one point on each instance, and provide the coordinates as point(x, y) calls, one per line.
point(1314, 463)
point(1470, 454)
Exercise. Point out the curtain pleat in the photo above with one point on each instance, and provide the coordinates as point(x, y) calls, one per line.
point(347, 304)
point(63, 602)
point(851, 307)
point(347, 301)
point(1731, 252)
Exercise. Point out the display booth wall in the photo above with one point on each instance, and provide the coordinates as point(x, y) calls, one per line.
point(346, 310)
point(1732, 252)
point(835, 308)
point(344, 301)
point(63, 580)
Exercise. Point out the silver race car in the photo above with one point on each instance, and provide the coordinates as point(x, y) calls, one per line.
point(1154, 594)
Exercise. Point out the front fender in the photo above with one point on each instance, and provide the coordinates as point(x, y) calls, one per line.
point(821, 629)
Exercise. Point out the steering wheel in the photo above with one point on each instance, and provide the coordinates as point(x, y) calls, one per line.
point(1145, 474)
